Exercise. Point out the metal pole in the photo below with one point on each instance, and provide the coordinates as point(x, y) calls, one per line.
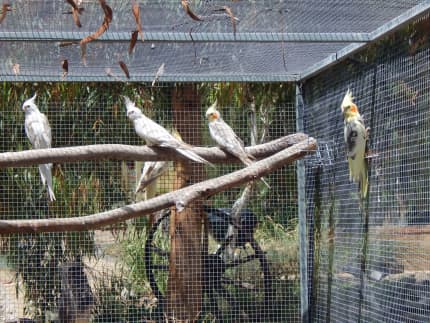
point(303, 247)
point(196, 37)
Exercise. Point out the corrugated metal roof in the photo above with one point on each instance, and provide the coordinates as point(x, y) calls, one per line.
point(274, 40)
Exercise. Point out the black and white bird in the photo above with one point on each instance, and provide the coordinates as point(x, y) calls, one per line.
point(39, 133)
point(220, 221)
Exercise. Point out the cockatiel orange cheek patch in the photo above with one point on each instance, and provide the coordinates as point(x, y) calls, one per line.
point(353, 108)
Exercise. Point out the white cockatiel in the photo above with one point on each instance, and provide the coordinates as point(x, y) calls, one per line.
point(151, 171)
point(156, 135)
point(356, 135)
point(39, 133)
point(226, 138)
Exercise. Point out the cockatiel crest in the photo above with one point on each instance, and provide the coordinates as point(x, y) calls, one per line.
point(30, 103)
point(128, 103)
point(212, 113)
point(347, 100)
point(355, 134)
point(133, 112)
point(348, 106)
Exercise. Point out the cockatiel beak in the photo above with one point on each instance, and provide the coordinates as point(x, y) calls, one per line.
point(212, 113)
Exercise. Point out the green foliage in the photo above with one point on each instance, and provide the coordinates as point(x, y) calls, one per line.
point(93, 113)
point(133, 251)
point(133, 247)
point(117, 301)
point(80, 189)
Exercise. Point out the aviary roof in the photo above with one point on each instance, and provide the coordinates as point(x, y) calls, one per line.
point(274, 40)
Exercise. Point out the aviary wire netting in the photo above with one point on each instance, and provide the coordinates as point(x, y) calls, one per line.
point(120, 273)
point(369, 262)
point(365, 262)
point(269, 40)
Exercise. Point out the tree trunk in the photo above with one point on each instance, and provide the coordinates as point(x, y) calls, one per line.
point(185, 283)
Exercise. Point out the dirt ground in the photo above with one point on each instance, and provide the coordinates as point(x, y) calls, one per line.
point(12, 303)
point(414, 254)
point(11, 306)
point(412, 245)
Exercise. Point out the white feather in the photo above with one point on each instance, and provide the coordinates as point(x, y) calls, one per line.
point(151, 171)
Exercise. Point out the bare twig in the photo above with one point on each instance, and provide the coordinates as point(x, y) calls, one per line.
point(179, 197)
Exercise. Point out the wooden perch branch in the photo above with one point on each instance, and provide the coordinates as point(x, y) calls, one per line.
point(179, 198)
point(127, 152)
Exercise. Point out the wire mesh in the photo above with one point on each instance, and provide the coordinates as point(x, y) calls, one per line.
point(34, 33)
point(370, 259)
point(105, 275)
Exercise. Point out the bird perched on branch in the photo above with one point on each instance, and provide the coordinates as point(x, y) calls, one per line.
point(156, 135)
point(151, 171)
point(39, 133)
point(356, 136)
point(226, 138)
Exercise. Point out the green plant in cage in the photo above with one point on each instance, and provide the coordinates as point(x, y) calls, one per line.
point(133, 250)
point(94, 187)
point(117, 300)
point(37, 258)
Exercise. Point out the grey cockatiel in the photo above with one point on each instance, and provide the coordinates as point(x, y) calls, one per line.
point(39, 133)
point(226, 138)
point(156, 135)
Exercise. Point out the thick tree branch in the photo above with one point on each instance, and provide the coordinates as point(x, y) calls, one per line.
point(127, 152)
point(179, 198)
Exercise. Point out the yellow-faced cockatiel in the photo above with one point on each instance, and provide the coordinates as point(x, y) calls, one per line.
point(355, 138)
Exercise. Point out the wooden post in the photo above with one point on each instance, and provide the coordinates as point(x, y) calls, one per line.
point(185, 283)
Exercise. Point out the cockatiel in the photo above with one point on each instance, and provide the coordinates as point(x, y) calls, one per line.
point(151, 171)
point(148, 182)
point(39, 133)
point(226, 138)
point(156, 135)
point(356, 136)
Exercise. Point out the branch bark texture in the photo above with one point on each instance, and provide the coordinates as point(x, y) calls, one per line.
point(128, 152)
point(180, 198)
